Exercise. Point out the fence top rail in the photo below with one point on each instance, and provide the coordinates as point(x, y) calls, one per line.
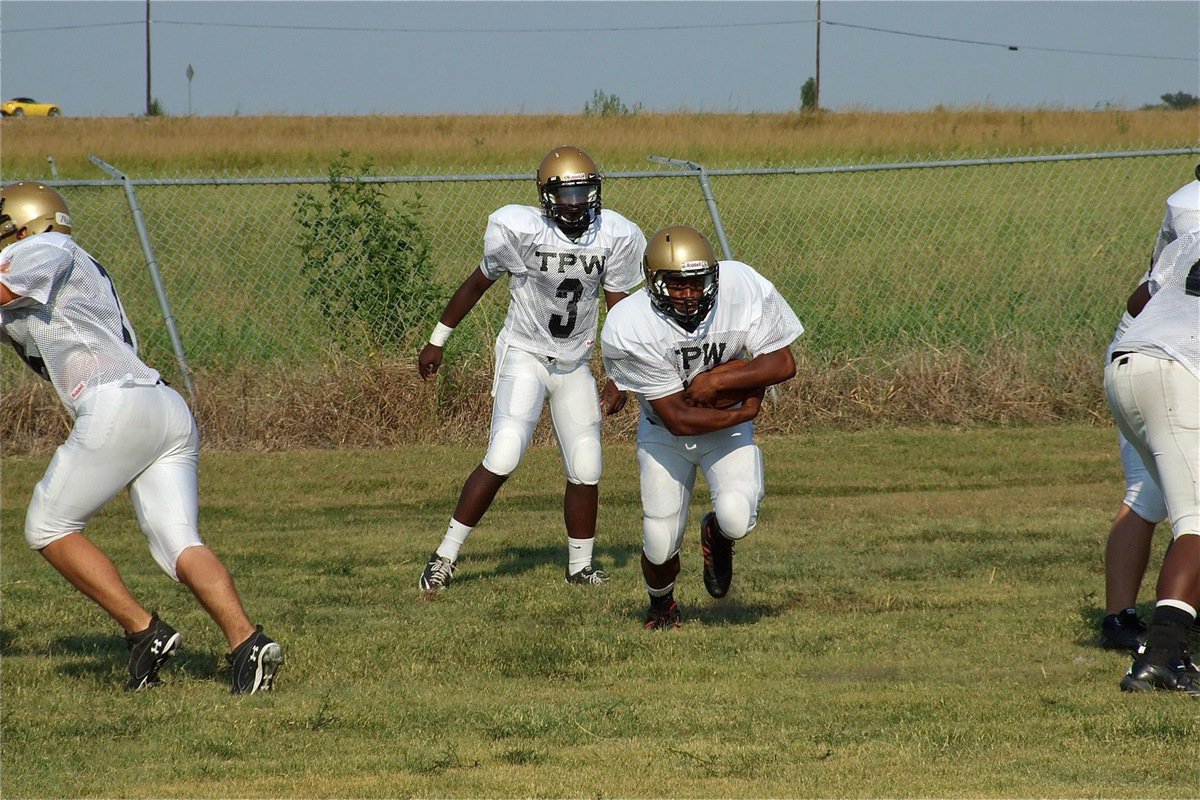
point(679, 171)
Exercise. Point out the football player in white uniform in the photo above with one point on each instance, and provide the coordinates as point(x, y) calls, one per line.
point(1153, 388)
point(60, 312)
point(1127, 550)
point(559, 258)
point(662, 343)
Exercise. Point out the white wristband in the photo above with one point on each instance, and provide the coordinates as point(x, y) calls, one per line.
point(440, 334)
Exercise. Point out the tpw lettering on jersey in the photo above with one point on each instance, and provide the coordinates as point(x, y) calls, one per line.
point(708, 353)
point(564, 262)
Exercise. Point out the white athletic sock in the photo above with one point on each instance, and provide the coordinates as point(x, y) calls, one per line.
point(1181, 605)
point(663, 592)
point(456, 534)
point(579, 554)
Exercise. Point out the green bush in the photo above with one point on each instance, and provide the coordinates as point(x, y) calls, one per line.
point(608, 105)
point(367, 263)
point(808, 95)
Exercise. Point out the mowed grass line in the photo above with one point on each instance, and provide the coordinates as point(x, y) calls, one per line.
point(913, 617)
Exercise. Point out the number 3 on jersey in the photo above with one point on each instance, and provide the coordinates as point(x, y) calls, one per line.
point(571, 290)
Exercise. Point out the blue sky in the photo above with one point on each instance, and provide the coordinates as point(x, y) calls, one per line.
point(387, 57)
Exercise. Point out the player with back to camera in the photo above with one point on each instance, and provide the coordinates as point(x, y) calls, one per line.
point(59, 310)
point(1152, 384)
point(1127, 549)
point(558, 257)
point(680, 344)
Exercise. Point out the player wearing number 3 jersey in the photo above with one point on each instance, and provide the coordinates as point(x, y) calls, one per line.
point(558, 259)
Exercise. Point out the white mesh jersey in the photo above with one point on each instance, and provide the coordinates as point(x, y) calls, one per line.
point(554, 281)
point(68, 324)
point(1169, 324)
point(647, 353)
point(1183, 216)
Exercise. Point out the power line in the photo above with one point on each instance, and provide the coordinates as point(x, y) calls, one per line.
point(612, 29)
point(1013, 47)
point(74, 27)
point(376, 29)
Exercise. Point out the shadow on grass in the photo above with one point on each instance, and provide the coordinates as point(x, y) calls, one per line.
point(726, 612)
point(99, 657)
point(517, 561)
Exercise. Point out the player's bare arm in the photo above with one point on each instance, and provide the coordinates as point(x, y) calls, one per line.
point(684, 419)
point(7, 295)
point(1137, 301)
point(464, 299)
point(766, 369)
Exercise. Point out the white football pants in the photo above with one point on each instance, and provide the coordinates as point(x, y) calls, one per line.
point(143, 437)
point(1156, 404)
point(732, 466)
point(522, 384)
point(1142, 494)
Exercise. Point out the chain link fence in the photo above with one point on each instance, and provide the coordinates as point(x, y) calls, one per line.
point(1032, 251)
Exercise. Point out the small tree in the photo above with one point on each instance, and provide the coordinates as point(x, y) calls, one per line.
point(367, 263)
point(608, 105)
point(1180, 101)
point(808, 95)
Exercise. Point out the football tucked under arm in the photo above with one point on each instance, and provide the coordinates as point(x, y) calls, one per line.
point(722, 398)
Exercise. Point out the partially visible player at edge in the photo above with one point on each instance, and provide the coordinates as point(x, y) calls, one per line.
point(1153, 388)
point(59, 310)
point(1127, 549)
point(558, 259)
point(696, 313)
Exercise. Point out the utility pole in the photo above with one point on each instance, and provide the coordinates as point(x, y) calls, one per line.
point(817, 80)
point(148, 98)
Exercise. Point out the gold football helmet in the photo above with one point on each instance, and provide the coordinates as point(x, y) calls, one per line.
point(681, 272)
point(34, 207)
point(569, 189)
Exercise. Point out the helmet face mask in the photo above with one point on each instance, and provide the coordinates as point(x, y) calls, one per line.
point(682, 276)
point(569, 189)
point(33, 208)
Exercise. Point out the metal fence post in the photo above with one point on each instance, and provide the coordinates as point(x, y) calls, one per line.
point(709, 198)
point(160, 290)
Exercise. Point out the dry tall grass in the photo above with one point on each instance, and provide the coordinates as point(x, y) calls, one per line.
point(447, 144)
point(385, 403)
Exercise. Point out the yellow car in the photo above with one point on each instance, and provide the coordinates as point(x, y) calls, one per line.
point(27, 106)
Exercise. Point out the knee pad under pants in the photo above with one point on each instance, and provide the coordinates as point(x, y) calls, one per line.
point(732, 467)
point(518, 396)
point(143, 437)
point(575, 412)
point(523, 383)
point(1142, 494)
point(1156, 404)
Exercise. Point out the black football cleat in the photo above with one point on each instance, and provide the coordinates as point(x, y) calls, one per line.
point(718, 557)
point(664, 617)
point(1146, 676)
point(588, 576)
point(254, 664)
point(148, 651)
point(1122, 631)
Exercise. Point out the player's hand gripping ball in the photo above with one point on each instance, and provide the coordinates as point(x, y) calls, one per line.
point(727, 398)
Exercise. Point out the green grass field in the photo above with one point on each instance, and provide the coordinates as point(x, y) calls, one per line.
point(914, 617)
